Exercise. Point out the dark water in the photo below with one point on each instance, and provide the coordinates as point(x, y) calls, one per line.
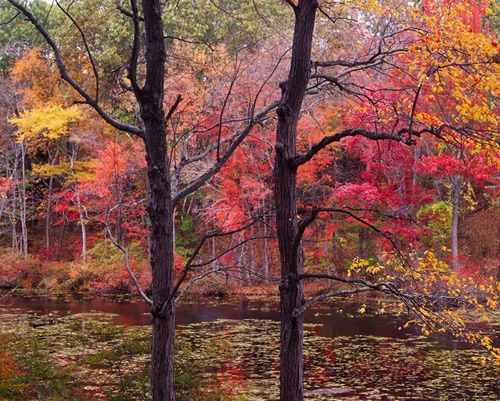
point(327, 322)
point(368, 357)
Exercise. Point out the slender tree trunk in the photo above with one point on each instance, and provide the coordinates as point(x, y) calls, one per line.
point(82, 224)
point(456, 181)
point(47, 211)
point(13, 210)
point(285, 179)
point(49, 199)
point(61, 239)
point(81, 214)
point(22, 204)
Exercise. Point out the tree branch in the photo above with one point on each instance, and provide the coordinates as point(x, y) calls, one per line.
point(124, 11)
point(224, 105)
point(87, 49)
point(299, 311)
point(200, 181)
point(189, 264)
point(195, 279)
point(173, 108)
point(403, 136)
point(316, 210)
point(123, 250)
point(134, 55)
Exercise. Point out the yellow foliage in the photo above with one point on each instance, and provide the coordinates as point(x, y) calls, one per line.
point(50, 123)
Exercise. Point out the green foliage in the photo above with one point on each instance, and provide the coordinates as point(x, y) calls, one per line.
point(105, 252)
point(435, 219)
point(106, 270)
point(236, 24)
point(17, 37)
point(185, 235)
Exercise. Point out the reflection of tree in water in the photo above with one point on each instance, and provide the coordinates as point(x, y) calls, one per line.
point(410, 370)
point(370, 368)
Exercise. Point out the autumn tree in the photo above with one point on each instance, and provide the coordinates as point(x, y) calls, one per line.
point(387, 86)
point(143, 75)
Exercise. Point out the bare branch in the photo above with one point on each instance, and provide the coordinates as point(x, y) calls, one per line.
point(173, 108)
point(124, 11)
point(254, 119)
point(127, 266)
point(87, 49)
point(291, 4)
point(195, 279)
point(189, 264)
point(122, 249)
point(200, 181)
point(316, 210)
point(191, 42)
point(299, 311)
point(134, 55)
point(403, 136)
point(224, 105)
point(10, 20)
point(9, 293)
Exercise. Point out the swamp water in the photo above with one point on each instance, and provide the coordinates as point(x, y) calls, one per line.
point(347, 357)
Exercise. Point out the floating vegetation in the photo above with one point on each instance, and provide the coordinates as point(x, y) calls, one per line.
point(86, 356)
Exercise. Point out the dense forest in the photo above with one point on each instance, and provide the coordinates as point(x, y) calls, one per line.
point(220, 146)
point(72, 186)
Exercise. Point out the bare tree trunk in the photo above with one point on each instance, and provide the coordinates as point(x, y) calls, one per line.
point(265, 243)
point(82, 224)
point(22, 204)
point(285, 180)
point(456, 181)
point(81, 214)
point(47, 210)
point(49, 200)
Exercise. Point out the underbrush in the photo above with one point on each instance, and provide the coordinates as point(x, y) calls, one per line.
point(102, 271)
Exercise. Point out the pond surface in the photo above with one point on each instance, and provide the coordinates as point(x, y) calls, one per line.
point(348, 357)
point(329, 322)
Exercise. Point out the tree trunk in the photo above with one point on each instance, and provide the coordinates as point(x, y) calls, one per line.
point(50, 186)
point(285, 179)
point(160, 208)
point(47, 211)
point(456, 182)
point(22, 203)
point(83, 227)
point(160, 211)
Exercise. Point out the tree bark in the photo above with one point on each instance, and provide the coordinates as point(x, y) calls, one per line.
point(285, 179)
point(160, 208)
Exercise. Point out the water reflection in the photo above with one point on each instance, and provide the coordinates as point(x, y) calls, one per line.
point(327, 322)
point(347, 357)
